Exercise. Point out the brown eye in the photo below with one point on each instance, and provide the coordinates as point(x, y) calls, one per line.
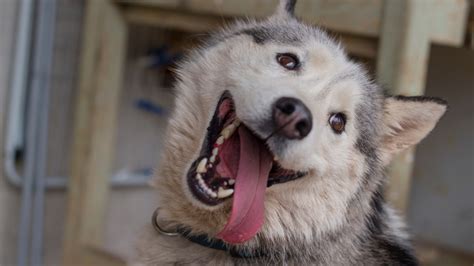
point(288, 61)
point(337, 122)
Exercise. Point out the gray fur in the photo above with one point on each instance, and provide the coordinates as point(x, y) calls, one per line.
point(334, 216)
point(287, 8)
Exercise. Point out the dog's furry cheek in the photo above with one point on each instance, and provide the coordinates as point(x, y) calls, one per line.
point(357, 164)
point(304, 160)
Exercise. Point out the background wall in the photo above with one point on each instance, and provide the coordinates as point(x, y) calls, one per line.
point(442, 200)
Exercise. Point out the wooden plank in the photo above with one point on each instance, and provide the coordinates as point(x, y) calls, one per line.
point(447, 20)
point(160, 3)
point(405, 39)
point(172, 19)
point(362, 17)
point(356, 17)
point(360, 46)
point(189, 22)
point(470, 26)
point(100, 76)
point(402, 65)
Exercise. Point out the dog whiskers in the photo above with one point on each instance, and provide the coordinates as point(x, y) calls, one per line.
point(276, 131)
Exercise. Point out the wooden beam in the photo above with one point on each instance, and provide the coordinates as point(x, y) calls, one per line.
point(401, 65)
point(447, 20)
point(189, 22)
point(172, 19)
point(336, 15)
point(361, 17)
point(102, 60)
point(470, 27)
point(360, 46)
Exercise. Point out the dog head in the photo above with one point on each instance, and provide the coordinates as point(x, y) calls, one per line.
point(275, 128)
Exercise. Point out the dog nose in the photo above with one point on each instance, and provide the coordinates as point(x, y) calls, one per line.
point(292, 118)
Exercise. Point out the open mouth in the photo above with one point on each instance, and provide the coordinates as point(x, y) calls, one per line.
point(235, 163)
point(212, 175)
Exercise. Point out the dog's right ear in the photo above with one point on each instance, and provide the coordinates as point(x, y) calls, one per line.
point(286, 8)
point(406, 121)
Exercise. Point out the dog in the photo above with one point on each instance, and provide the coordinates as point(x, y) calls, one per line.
point(275, 154)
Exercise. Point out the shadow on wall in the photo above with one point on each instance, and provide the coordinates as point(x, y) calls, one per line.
point(441, 203)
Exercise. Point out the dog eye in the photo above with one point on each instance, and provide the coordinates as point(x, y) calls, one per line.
point(337, 122)
point(288, 61)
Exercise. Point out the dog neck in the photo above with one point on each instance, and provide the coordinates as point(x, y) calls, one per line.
point(217, 244)
point(205, 240)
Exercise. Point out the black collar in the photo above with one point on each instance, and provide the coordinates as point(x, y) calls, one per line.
point(205, 241)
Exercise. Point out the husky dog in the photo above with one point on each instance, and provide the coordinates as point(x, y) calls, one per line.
point(275, 154)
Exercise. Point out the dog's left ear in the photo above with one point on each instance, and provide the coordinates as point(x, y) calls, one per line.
point(406, 121)
point(286, 8)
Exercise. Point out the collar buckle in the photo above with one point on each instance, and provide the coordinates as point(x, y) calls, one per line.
point(203, 240)
point(158, 228)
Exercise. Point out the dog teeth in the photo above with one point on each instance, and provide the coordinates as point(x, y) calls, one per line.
point(208, 163)
point(204, 186)
point(199, 178)
point(211, 193)
point(201, 181)
point(224, 193)
point(221, 192)
point(228, 131)
point(201, 168)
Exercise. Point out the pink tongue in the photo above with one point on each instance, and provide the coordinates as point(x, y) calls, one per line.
point(247, 214)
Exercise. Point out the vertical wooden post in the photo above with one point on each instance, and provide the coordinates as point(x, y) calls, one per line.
point(402, 66)
point(102, 61)
point(408, 28)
